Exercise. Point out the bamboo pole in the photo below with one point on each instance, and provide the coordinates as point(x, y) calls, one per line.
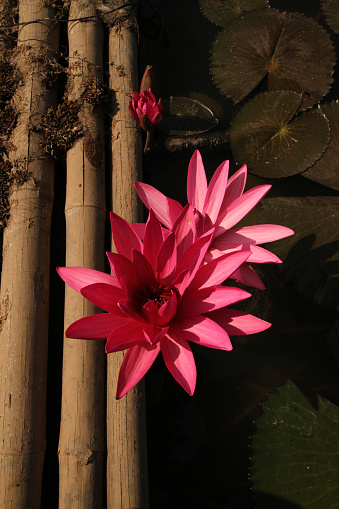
point(127, 478)
point(82, 443)
point(25, 271)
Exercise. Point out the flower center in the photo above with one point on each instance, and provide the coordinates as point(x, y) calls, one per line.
point(158, 293)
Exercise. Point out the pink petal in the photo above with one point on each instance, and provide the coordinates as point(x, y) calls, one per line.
point(208, 299)
point(143, 270)
point(258, 234)
point(246, 274)
point(79, 277)
point(202, 330)
point(121, 266)
point(166, 209)
point(124, 237)
point(135, 365)
point(239, 208)
point(126, 307)
point(258, 254)
point(103, 296)
point(139, 229)
point(234, 189)
point(184, 230)
point(196, 182)
point(125, 336)
point(179, 360)
point(167, 260)
point(95, 326)
point(193, 257)
point(216, 192)
point(236, 322)
point(150, 312)
point(261, 255)
point(153, 238)
point(154, 334)
point(167, 311)
point(218, 270)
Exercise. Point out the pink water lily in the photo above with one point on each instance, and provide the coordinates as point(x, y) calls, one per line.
point(221, 204)
point(145, 110)
point(158, 300)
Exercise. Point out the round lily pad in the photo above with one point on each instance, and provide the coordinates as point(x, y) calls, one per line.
point(295, 451)
point(293, 51)
point(184, 116)
point(273, 140)
point(222, 12)
point(326, 170)
point(311, 255)
point(331, 11)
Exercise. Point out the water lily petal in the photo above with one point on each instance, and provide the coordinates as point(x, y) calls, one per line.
point(247, 275)
point(125, 336)
point(179, 360)
point(202, 330)
point(216, 192)
point(97, 326)
point(125, 306)
point(196, 182)
point(124, 237)
point(207, 299)
point(139, 229)
point(218, 270)
point(166, 209)
point(239, 208)
point(193, 257)
point(154, 334)
point(257, 234)
point(261, 255)
point(143, 270)
point(184, 230)
point(153, 238)
point(167, 311)
point(167, 260)
point(104, 296)
point(135, 365)
point(237, 322)
point(79, 277)
point(121, 266)
point(235, 187)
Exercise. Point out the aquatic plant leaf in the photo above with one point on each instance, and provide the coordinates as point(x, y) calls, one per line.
point(222, 12)
point(274, 142)
point(326, 170)
point(331, 11)
point(311, 255)
point(185, 116)
point(293, 51)
point(295, 450)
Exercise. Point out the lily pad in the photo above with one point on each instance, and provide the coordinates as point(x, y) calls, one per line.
point(296, 450)
point(222, 12)
point(326, 170)
point(293, 51)
point(331, 11)
point(311, 255)
point(184, 116)
point(274, 142)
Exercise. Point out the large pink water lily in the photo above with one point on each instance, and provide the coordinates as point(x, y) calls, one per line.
point(159, 301)
point(221, 204)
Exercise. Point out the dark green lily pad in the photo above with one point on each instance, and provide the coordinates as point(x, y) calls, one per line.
point(311, 255)
point(274, 142)
point(296, 451)
point(222, 12)
point(331, 11)
point(184, 116)
point(326, 170)
point(293, 51)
